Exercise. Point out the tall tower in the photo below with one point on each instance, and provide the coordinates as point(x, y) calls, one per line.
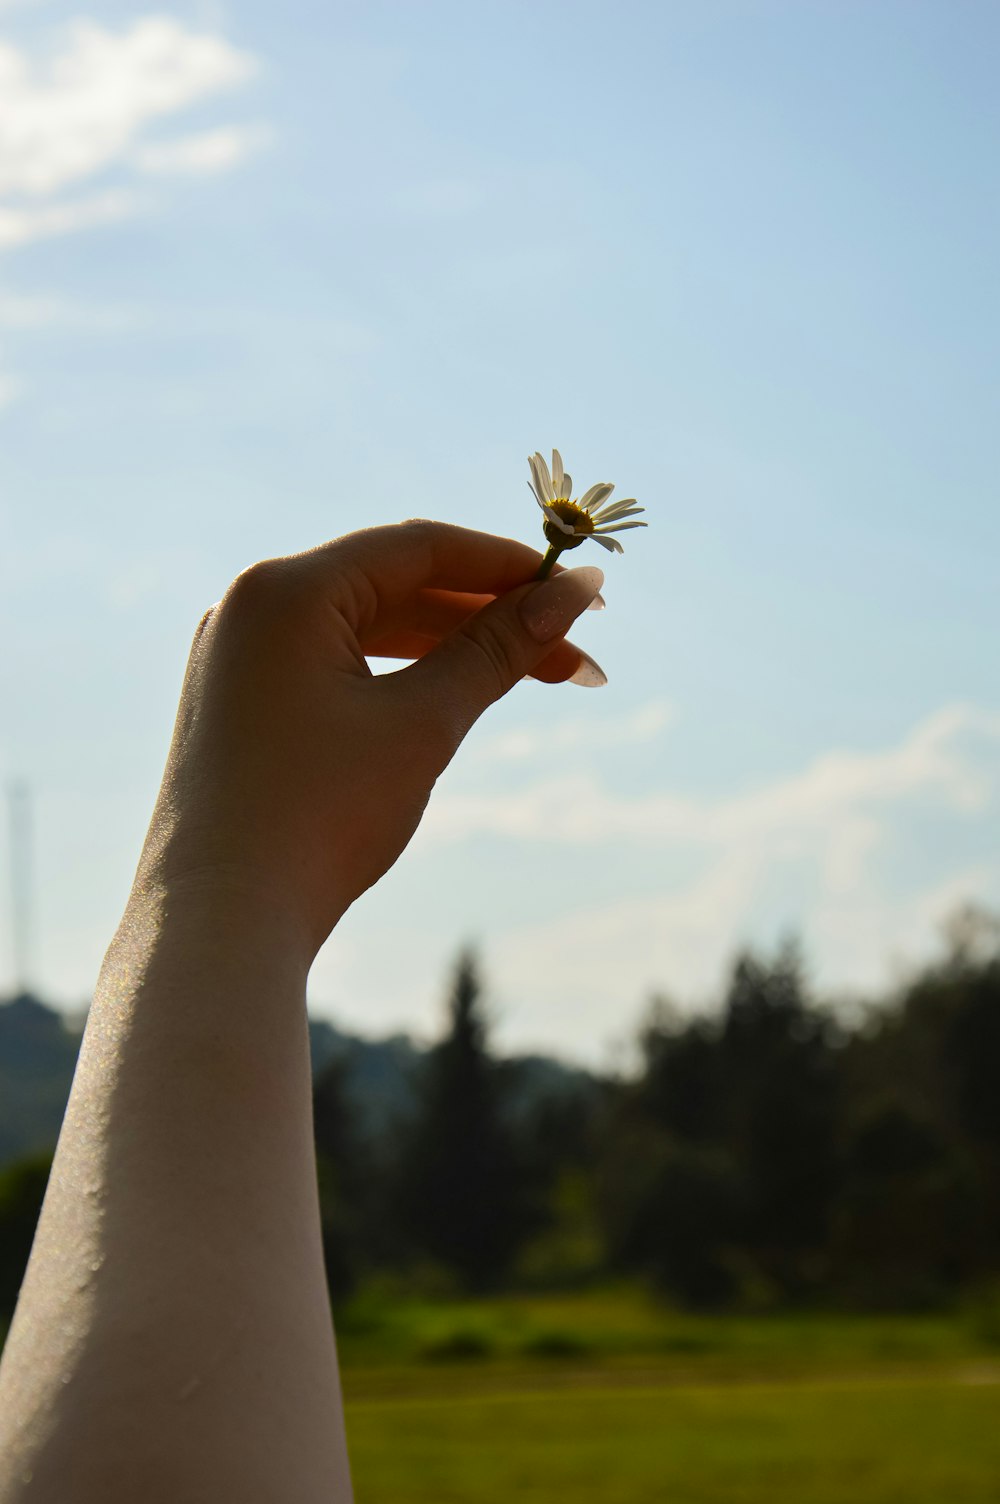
point(19, 848)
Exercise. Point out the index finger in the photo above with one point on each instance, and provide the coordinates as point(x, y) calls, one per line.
point(408, 556)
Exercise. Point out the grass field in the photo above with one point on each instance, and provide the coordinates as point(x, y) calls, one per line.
point(893, 1443)
point(607, 1400)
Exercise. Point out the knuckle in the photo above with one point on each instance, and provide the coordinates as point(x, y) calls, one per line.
point(257, 589)
point(497, 654)
point(418, 536)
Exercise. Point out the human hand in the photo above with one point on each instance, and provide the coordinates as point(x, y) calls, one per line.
point(296, 776)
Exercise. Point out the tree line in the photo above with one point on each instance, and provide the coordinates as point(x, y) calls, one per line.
point(768, 1151)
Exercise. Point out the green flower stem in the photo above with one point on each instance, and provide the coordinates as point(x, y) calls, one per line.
point(545, 568)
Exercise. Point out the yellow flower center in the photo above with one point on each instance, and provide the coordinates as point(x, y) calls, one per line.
point(575, 515)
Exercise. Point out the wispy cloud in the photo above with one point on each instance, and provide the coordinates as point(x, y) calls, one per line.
point(27, 312)
point(27, 222)
point(578, 810)
point(78, 111)
point(10, 389)
point(75, 114)
point(525, 743)
point(825, 848)
point(42, 311)
point(599, 966)
point(20, 311)
point(203, 154)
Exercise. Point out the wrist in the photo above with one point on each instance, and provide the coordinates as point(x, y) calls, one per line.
point(200, 864)
point(217, 917)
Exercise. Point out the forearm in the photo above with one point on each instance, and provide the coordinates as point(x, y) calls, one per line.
point(173, 1339)
point(176, 1291)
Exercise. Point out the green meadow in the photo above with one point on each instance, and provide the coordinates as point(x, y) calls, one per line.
point(612, 1400)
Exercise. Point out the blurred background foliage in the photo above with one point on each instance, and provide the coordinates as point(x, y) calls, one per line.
point(772, 1152)
point(763, 1262)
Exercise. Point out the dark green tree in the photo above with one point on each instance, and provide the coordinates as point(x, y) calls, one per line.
point(345, 1181)
point(732, 1133)
point(682, 1088)
point(671, 1212)
point(463, 1192)
point(780, 1081)
point(921, 1208)
point(908, 1218)
point(22, 1190)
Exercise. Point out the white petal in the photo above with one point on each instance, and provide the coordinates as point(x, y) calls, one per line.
point(567, 487)
point(543, 475)
point(557, 474)
point(611, 544)
point(619, 527)
point(601, 519)
point(618, 509)
point(596, 494)
point(564, 527)
point(545, 492)
point(538, 480)
point(535, 494)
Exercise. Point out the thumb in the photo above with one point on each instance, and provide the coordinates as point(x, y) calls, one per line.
point(491, 651)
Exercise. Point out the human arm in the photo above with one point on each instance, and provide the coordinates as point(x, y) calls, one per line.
point(173, 1339)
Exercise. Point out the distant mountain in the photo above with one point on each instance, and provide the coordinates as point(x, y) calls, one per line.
point(37, 1059)
point(38, 1051)
point(381, 1078)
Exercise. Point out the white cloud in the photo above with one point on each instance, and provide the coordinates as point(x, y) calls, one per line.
point(202, 154)
point(825, 849)
point(566, 737)
point(79, 111)
point(20, 225)
point(580, 970)
point(27, 312)
point(10, 389)
point(41, 311)
point(581, 983)
point(837, 787)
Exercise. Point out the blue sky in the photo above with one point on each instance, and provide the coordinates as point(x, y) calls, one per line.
point(270, 274)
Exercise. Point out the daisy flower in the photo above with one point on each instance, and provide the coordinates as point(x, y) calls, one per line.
point(568, 523)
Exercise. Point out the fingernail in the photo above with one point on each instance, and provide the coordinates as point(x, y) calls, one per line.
point(597, 604)
point(553, 606)
point(590, 674)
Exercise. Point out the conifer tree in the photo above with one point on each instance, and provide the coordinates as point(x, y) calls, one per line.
point(463, 1193)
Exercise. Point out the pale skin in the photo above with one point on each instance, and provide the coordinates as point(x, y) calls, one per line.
point(173, 1341)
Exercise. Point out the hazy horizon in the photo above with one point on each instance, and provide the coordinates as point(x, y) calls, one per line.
point(266, 277)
